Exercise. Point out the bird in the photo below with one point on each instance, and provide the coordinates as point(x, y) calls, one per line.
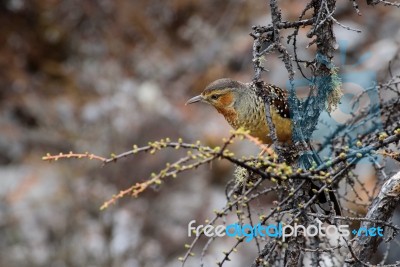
point(243, 106)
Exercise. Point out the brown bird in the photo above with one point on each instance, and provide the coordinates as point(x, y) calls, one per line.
point(242, 105)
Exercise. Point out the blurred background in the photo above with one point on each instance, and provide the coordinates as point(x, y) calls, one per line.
point(100, 76)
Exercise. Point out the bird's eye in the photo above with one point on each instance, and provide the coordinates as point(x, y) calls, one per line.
point(214, 97)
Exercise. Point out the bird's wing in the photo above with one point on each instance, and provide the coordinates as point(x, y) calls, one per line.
point(276, 96)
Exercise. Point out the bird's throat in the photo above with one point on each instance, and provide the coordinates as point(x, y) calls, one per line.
point(230, 115)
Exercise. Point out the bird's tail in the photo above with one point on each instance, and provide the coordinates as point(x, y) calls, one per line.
point(326, 200)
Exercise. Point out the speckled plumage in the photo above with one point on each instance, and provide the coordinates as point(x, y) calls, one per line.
point(243, 106)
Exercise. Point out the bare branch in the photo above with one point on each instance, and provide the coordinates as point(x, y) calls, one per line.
point(381, 209)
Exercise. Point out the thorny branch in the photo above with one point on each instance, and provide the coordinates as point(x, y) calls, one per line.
point(274, 172)
point(324, 82)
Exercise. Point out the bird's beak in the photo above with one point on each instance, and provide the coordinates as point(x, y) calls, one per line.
point(194, 100)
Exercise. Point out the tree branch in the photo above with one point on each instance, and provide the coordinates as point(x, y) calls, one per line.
point(382, 208)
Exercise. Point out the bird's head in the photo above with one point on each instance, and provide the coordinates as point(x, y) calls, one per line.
point(222, 94)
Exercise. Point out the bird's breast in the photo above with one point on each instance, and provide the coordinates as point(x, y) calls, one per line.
point(254, 120)
point(252, 117)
